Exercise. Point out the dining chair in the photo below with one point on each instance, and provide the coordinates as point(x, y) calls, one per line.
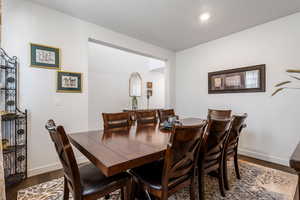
point(178, 168)
point(231, 146)
point(146, 117)
point(116, 121)
point(211, 155)
point(219, 114)
point(85, 182)
point(164, 115)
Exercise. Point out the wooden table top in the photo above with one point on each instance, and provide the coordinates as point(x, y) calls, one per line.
point(115, 152)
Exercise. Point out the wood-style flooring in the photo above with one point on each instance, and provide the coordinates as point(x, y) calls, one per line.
point(11, 193)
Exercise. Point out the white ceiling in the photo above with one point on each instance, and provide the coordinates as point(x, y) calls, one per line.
point(174, 24)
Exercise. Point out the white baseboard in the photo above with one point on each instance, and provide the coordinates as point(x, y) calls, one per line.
point(52, 167)
point(246, 152)
point(264, 157)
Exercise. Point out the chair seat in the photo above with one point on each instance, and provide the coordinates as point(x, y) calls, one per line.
point(93, 181)
point(151, 175)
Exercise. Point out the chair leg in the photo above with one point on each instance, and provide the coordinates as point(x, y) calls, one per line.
point(192, 190)
point(133, 192)
point(66, 190)
point(201, 184)
point(225, 173)
point(148, 195)
point(236, 165)
point(128, 190)
point(164, 196)
point(123, 195)
point(221, 180)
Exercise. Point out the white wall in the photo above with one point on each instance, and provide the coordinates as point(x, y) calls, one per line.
point(273, 129)
point(25, 22)
point(109, 72)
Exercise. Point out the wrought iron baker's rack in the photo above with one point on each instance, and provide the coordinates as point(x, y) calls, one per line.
point(14, 122)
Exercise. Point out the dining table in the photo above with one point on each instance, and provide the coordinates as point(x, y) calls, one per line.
point(114, 152)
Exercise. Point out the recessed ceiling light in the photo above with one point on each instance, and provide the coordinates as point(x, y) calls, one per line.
point(204, 17)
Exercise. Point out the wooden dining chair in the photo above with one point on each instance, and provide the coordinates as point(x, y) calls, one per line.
point(85, 182)
point(211, 155)
point(178, 169)
point(164, 115)
point(231, 146)
point(116, 121)
point(219, 114)
point(146, 117)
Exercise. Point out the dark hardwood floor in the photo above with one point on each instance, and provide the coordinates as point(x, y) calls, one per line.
point(11, 193)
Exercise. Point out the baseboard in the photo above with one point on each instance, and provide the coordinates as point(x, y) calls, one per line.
point(261, 156)
point(51, 167)
point(246, 152)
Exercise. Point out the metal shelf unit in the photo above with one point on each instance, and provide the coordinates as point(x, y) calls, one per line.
point(14, 122)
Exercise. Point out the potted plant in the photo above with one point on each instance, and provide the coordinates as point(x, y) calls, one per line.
point(293, 73)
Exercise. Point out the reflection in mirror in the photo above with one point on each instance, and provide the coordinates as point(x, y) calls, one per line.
point(252, 79)
point(135, 88)
point(135, 85)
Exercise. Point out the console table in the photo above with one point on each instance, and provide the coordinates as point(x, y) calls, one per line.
point(132, 112)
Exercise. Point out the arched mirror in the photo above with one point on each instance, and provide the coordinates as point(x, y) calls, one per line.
point(135, 85)
point(135, 88)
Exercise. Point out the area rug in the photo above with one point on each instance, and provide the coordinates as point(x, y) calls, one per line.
point(257, 182)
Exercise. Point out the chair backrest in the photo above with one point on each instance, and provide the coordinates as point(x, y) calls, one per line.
point(214, 141)
point(237, 126)
point(219, 131)
point(219, 114)
point(66, 157)
point(146, 117)
point(165, 114)
point(116, 121)
point(182, 152)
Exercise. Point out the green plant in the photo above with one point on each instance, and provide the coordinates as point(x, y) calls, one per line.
point(285, 84)
point(134, 103)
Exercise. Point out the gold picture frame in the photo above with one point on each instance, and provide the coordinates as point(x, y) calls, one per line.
point(60, 88)
point(34, 62)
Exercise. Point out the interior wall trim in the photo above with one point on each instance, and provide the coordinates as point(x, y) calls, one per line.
point(52, 167)
point(242, 151)
point(262, 156)
point(125, 49)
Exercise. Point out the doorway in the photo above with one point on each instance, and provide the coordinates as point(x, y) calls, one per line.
point(109, 71)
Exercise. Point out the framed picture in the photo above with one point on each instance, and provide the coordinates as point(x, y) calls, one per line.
point(44, 56)
point(69, 82)
point(149, 85)
point(245, 79)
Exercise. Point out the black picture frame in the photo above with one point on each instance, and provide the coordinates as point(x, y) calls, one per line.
point(234, 80)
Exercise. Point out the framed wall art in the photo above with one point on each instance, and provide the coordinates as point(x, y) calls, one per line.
point(240, 80)
point(149, 85)
point(44, 56)
point(69, 82)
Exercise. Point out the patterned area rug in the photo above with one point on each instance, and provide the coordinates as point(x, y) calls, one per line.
point(257, 183)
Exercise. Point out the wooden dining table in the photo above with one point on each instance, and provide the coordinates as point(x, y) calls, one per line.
point(116, 152)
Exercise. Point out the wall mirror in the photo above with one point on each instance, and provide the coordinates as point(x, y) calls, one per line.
point(135, 88)
point(135, 85)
